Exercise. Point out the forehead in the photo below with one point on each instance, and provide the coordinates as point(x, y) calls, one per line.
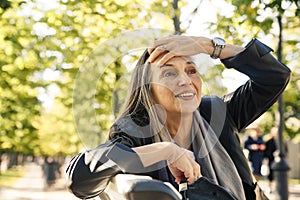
point(175, 59)
point(180, 58)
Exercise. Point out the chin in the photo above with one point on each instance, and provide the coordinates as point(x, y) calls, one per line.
point(189, 106)
point(188, 109)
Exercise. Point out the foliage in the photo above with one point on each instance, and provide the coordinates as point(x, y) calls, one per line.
point(43, 47)
point(56, 132)
point(261, 16)
point(19, 104)
point(63, 51)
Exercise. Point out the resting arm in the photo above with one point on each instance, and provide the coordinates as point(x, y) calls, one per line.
point(89, 172)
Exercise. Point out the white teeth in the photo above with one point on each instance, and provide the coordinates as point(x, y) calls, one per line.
point(185, 95)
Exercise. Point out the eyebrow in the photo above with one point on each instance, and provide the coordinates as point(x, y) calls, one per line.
point(166, 65)
point(191, 62)
point(171, 65)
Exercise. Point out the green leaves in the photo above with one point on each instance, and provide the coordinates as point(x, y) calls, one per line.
point(44, 47)
point(38, 37)
point(259, 19)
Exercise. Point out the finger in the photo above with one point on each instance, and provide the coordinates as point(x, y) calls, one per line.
point(162, 47)
point(166, 58)
point(150, 50)
point(197, 170)
point(168, 41)
point(190, 177)
point(197, 173)
point(157, 44)
point(191, 180)
point(156, 53)
point(194, 174)
point(178, 180)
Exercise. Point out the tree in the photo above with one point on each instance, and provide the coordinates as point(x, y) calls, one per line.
point(56, 132)
point(46, 46)
point(18, 61)
point(38, 38)
point(264, 20)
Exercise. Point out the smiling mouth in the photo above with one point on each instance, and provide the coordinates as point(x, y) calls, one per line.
point(185, 95)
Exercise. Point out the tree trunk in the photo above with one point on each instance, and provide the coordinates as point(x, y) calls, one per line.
point(176, 17)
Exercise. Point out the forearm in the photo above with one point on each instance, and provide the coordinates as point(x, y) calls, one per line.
point(228, 51)
point(187, 46)
point(156, 152)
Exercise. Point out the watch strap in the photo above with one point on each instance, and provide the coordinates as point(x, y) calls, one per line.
point(219, 44)
point(217, 51)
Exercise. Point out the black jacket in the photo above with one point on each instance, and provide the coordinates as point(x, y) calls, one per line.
point(89, 172)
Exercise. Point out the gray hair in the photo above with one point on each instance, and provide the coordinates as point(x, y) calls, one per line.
point(139, 103)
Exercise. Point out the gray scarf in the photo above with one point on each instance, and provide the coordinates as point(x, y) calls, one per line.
point(215, 163)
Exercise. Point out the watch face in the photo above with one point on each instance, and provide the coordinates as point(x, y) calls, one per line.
point(219, 41)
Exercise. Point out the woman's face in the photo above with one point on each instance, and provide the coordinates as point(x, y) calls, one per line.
point(176, 85)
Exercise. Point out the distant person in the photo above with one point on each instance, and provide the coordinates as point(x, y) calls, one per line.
point(256, 147)
point(49, 169)
point(271, 147)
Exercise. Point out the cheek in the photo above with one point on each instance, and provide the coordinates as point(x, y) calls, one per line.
point(161, 93)
point(198, 86)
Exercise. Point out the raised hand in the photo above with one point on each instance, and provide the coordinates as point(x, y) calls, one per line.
point(164, 49)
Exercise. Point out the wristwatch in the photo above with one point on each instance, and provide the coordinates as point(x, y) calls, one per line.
point(219, 44)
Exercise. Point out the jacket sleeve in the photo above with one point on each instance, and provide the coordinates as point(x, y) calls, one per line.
point(268, 79)
point(89, 172)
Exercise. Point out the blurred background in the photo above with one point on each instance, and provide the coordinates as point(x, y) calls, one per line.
point(51, 110)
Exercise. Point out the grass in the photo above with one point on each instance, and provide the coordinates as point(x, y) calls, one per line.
point(294, 181)
point(11, 176)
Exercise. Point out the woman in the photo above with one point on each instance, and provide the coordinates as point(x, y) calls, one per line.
point(168, 131)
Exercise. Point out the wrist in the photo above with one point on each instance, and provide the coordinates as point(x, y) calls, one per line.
point(218, 44)
point(230, 51)
point(174, 152)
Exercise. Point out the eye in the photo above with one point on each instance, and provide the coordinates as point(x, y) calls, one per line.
point(192, 70)
point(170, 73)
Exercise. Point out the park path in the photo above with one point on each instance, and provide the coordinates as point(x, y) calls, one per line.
point(294, 191)
point(31, 187)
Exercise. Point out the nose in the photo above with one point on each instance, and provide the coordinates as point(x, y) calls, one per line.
point(184, 79)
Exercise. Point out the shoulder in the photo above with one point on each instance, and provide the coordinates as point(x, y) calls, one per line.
point(128, 127)
point(211, 99)
point(211, 105)
point(214, 110)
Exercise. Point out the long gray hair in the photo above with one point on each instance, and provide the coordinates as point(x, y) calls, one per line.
point(139, 103)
